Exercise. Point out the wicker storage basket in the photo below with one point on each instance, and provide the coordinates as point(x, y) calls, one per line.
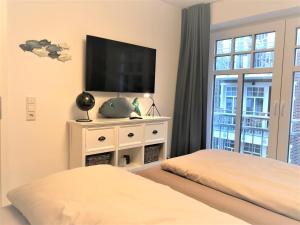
point(102, 158)
point(151, 153)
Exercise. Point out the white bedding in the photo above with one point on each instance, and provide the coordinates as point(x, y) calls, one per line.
point(109, 195)
point(266, 182)
point(9, 215)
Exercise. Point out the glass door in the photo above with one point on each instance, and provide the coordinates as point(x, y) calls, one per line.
point(245, 73)
point(256, 106)
point(289, 123)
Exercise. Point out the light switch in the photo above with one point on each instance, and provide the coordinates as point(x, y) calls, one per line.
point(30, 100)
point(30, 108)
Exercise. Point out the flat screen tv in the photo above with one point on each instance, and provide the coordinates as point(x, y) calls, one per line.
point(115, 66)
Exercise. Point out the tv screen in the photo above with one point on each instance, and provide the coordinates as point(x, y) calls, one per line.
point(115, 66)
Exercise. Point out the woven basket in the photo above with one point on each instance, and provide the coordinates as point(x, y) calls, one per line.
point(102, 158)
point(151, 153)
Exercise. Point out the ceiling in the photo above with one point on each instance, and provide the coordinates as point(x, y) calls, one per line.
point(186, 3)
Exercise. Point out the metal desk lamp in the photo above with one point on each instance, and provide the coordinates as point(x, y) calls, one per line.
point(151, 111)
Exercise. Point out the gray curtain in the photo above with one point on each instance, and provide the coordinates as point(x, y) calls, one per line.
point(189, 125)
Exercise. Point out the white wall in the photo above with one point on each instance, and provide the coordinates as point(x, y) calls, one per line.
point(36, 149)
point(230, 10)
point(3, 87)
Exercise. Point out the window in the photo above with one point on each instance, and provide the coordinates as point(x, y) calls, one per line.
point(243, 44)
point(255, 72)
point(265, 41)
point(294, 145)
point(230, 98)
point(241, 53)
point(224, 114)
point(294, 133)
point(263, 44)
point(243, 76)
point(242, 61)
point(224, 46)
point(263, 59)
point(223, 62)
point(254, 100)
point(298, 37)
point(252, 149)
point(297, 57)
point(255, 114)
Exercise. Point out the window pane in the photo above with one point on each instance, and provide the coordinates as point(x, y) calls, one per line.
point(297, 57)
point(265, 41)
point(242, 61)
point(223, 62)
point(298, 36)
point(243, 44)
point(259, 105)
point(224, 112)
point(249, 105)
point(263, 59)
point(255, 115)
point(294, 144)
point(224, 46)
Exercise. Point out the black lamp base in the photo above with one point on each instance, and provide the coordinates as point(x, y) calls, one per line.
point(84, 120)
point(152, 110)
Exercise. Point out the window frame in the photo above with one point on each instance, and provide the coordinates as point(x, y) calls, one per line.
point(289, 69)
point(232, 33)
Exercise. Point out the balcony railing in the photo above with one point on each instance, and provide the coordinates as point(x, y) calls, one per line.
point(254, 132)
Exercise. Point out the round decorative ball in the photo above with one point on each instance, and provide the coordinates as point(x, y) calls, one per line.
point(85, 101)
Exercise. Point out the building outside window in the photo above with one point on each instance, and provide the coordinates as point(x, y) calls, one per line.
point(294, 144)
point(255, 117)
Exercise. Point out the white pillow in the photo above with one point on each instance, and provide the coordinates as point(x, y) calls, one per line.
point(108, 195)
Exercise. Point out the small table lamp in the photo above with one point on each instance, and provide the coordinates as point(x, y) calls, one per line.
point(85, 101)
point(153, 108)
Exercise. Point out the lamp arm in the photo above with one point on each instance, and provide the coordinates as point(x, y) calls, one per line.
point(152, 100)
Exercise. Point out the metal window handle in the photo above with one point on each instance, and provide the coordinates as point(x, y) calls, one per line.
point(154, 132)
point(102, 138)
point(130, 135)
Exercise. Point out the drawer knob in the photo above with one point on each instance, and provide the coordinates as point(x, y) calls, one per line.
point(102, 138)
point(130, 135)
point(154, 132)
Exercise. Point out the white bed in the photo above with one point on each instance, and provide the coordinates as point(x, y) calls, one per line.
point(105, 195)
point(9, 215)
point(268, 183)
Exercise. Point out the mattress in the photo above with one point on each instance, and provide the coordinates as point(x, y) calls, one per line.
point(9, 215)
point(232, 205)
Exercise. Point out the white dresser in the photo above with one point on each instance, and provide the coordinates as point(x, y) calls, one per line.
point(118, 137)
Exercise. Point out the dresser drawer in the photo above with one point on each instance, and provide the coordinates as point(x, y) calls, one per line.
point(130, 136)
point(155, 132)
point(100, 139)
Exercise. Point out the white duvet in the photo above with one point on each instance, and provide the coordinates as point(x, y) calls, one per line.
point(268, 183)
point(109, 195)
